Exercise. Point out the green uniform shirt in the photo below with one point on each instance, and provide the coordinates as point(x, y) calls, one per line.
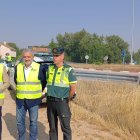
point(60, 91)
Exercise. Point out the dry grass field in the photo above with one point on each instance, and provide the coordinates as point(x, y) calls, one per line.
point(103, 110)
point(113, 107)
point(113, 67)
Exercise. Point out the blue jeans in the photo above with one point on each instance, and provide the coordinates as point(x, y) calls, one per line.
point(20, 118)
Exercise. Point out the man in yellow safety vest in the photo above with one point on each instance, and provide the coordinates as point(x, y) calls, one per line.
point(4, 84)
point(30, 81)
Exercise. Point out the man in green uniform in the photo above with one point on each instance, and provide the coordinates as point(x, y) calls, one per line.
point(61, 88)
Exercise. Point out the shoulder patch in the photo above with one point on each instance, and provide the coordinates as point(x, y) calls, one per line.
point(73, 73)
point(66, 65)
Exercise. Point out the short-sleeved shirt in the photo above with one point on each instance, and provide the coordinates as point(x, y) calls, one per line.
point(61, 92)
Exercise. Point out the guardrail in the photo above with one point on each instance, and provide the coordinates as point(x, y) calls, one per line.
point(101, 75)
point(108, 75)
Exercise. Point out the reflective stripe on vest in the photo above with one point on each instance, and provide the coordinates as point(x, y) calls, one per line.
point(31, 87)
point(1, 81)
point(28, 83)
point(60, 80)
point(28, 92)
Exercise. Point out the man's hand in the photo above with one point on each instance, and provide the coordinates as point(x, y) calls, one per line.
point(73, 97)
point(72, 93)
point(44, 92)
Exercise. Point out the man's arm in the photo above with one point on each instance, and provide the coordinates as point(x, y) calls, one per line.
point(6, 81)
point(72, 90)
point(15, 75)
point(42, 76)
point(73, 83)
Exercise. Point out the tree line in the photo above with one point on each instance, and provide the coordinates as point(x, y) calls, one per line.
point(78, 45)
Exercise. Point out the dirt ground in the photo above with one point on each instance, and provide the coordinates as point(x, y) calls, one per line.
point(80, 129)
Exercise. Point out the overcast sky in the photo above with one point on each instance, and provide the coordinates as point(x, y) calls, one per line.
point(36, 22)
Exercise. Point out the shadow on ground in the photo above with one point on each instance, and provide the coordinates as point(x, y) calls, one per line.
point(10, 121)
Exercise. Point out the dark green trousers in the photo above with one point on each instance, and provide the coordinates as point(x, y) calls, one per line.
point(59, 110)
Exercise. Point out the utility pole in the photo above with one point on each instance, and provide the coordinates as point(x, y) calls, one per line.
point(132, 35)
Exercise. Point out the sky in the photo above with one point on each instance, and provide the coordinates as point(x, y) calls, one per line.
point(36, 22)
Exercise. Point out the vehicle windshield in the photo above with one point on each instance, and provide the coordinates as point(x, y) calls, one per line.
point(44, 56)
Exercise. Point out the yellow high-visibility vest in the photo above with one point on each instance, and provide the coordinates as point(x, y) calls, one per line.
point(1, 81)
point(58, 84)
point(9, 58)
point(60, 80)
point(31, 87)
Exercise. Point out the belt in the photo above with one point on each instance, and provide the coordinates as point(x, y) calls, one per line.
point(54, 99)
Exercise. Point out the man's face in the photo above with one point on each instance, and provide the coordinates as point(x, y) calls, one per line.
point(57, 59)
point(27, 58)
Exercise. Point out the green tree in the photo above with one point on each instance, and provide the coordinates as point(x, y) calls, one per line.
point(18, 51)
point(52, 44)
point(71, 43)
point(82, 43)
point(137, 56)
point(115, 44)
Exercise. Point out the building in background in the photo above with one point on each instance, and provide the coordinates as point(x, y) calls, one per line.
point(5, 48)
point(39, 49)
